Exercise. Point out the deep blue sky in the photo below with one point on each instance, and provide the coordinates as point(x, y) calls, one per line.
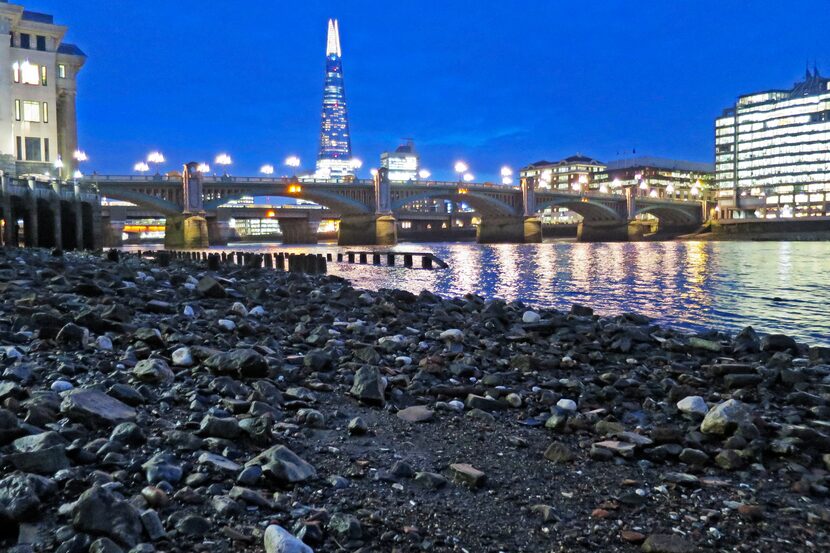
point(491, 82)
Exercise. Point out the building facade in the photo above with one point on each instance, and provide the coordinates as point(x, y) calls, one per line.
point(573, 173)
point(402, 164)
point(657, 177)
point(335, 157)
point(38, 88)
point(772, 153)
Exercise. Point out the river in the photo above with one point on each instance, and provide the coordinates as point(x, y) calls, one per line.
point(773, 286)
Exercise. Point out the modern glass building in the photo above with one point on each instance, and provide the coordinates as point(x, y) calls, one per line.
point(335, 157)
point(772, 153)
point(402, 164)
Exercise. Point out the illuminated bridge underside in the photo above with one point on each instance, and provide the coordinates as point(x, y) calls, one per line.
point(512, 211)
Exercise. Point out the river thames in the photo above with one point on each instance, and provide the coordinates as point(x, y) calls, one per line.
point(773, 286)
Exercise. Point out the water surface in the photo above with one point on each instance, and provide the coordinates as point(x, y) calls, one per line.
point(774, 286)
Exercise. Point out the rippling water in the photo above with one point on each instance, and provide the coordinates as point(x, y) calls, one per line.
point(774, 286)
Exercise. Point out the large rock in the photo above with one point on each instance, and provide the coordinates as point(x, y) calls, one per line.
point(99, 512)
point(368, 386)
point(154, 371)
point(693, 405)
point(245, 363)
point(209, 287)
point(778, 342)
point(43, 453)
point(724, 417)
point(280, 540)
point(18, 499)
point(94, 408)
point(283, 465)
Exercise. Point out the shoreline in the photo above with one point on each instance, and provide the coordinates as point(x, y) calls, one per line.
point(196, 407)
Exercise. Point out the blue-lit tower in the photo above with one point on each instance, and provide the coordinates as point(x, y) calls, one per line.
point(335, 157)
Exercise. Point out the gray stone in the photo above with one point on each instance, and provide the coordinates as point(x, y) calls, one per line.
point(724, 417)
point(98, 511)
point(467, 474)
point(416, 413)
point(104, 545)
point(368, 386)
point(217, 462)
point(43, 453)
point(152, 524)
point(245, 363)
point(94, 408)
point(280, 540)
point(154, 371)
point(227, 427)
point(283, 465)
point(667, 543)
point(18, 498)
point(693, 405)
point(346, 527)
point(559, 453)
point(162, 467)
point(182, 357)
point(209, 287)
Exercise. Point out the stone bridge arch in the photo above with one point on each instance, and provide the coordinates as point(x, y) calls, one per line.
point(482, 203)
point(336, 202)
point(165, 207)
point(671, 214)
point(589, 210)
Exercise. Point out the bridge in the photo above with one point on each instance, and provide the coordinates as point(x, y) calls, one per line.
point(192, 205)
point(39, 212)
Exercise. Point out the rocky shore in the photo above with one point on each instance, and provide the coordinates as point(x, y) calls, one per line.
point(147, 408)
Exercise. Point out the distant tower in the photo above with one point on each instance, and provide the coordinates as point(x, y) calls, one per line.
point(335, 157)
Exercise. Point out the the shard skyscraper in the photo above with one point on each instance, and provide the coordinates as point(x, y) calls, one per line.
point(335, 157)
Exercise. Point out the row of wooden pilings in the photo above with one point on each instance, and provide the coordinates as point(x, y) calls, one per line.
point(291, 262)
point(428, 260)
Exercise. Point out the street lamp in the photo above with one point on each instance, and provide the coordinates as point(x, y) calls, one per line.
point(203, 168)
point(156, 158)
point(670, 189)
point(293, 162)
point(373, 172)
point(77, 175)
point(468, 177)
point(59, 166)
point(423, 174)
point(80, 156)
point(267, 169)
point(141, 167)
point(355, 164)
point(460, 168)
point(506, 175)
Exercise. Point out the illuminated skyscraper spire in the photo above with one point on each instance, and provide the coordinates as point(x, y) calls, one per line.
point(335, 157)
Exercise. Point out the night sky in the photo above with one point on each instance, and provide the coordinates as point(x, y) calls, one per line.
point(490, 82)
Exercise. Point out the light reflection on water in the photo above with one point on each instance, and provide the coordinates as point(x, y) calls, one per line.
point(775, 286)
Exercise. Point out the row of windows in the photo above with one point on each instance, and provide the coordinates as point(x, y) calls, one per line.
point(32, 148)
point(30, 111)
point(762, 145)
point(798, 130)
point(25, 41)
point(807, 103)
point(34, 74)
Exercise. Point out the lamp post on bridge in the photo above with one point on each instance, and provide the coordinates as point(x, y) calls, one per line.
point(225, 161)
point(294, 163)
point(155, 158)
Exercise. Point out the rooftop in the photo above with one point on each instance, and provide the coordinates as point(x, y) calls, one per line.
point(662, 163)
point(38, 17)
point(70, 49)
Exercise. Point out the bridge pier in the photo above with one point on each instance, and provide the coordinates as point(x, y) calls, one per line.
point(509, 230)
point(219, 231)
point(299, 231)
point(367, 230)
point(669, 229)
point(609, 231)
point(112, 231)
point(186, 231)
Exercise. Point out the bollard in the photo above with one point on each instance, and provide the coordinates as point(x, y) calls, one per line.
point(426, 262)
point(390, 259)
point(375, 259)
point(363, 259)
point(239, 256)
point(269, 261)
point(163, 259)
point(407, 260)
point(311, 263)
point(213, 261)
point(325, 268)
point(204, 256)
point(112, 255)
point(280, 265)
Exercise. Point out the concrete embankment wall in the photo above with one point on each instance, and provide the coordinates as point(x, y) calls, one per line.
point(817, 228)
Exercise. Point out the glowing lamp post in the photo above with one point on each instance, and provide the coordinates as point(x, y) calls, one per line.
point(203, 168)
point(155, 158)
point(267, 169)
point(59, 166)
point(224, 160)
point(294, 163)
point(506, 175)
point(423, 174)
point(468, 177)
point(461, 168)
point(355, 164)
point(141, 167)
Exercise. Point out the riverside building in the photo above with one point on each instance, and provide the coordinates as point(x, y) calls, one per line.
point(38, 88)
point(656, 177)
point(402, 164)
point(772, 153)
point(572, 173)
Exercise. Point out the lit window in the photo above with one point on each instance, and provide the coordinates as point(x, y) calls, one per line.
point(61, 71)
point(17, 112)
point(43, 75)
point(27, 73)
point(31, 111)
point(33, 151)
point(45, 112)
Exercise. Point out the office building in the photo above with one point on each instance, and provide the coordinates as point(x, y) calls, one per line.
point(402, 164)
point(574, 173)
point(38, 88)
point(656, 177)
point(772, 152)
